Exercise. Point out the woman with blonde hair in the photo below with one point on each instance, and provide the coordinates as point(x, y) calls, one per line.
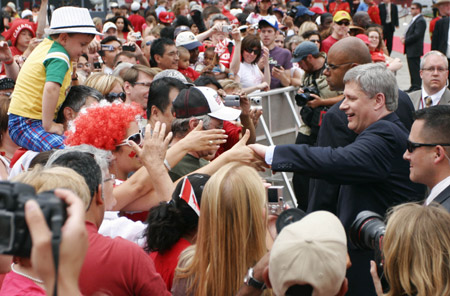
point(110, 86)
point(307, 26)
point(230, 237)
point(416, 250)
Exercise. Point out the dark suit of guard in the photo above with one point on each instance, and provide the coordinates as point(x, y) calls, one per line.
point(389, 28)
point(440, 37)
point(414, 49)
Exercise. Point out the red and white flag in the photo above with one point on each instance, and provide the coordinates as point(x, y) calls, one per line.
point(188, 195)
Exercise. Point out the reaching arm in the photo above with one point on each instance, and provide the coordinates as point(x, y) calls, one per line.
point(49, 102)
point(42, 19)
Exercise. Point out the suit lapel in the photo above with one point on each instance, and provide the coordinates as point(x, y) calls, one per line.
point(443, 196)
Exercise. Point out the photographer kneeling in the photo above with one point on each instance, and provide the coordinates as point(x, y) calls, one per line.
point(314, 100)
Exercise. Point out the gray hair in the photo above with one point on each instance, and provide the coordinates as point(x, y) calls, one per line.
point(436, 53)
point(180, 126)
point(218, 17)
point(102, 157)
point(373, 79)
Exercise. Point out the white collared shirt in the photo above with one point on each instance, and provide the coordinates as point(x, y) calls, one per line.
point(437, 189)
point(434, 98)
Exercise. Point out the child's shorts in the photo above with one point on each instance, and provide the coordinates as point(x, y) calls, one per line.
point(29, 134)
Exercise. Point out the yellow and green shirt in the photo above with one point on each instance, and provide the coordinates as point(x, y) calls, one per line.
point(49, 61)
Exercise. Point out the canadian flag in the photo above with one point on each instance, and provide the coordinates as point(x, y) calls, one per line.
point(188, 195)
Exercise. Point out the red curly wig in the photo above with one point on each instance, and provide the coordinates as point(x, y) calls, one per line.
point(103, 126)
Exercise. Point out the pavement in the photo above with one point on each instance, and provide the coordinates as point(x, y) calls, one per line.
point(403, 78)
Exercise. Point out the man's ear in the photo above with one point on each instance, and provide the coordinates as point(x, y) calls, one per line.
point(157, 58)
point(380, 101)
point(69, 113)
point(193, 122)
point(99, 200)
point(62, 39)
point(127, 87)
point(439, 154)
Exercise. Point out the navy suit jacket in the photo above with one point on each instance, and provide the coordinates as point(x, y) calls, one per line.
point(334, 133)
point(443, 198)
point(414, 37)
point(372, 169)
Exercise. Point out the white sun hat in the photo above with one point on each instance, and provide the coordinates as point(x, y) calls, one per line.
point(72, 20)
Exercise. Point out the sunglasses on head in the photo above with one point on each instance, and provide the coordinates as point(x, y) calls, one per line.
point(136, 138)
point(114, 96)
point(346, 23)
point(255, 51)
point(411, 146)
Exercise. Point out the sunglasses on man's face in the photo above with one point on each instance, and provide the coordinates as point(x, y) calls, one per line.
point(346, 23)
point(411, 146)
point(136, 138)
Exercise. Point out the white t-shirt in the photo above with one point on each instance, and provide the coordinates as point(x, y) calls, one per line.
point(250, 75)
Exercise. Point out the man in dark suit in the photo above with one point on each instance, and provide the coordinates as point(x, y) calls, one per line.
point(440, 34)
point(371, 169)
point(428, 153)
point(434, 74)
point(413, 42)
point(389, 20)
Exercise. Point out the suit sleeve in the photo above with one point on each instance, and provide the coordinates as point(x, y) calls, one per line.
point(394, 14)
point(417, 33)
point(368, 159)
point(436, 36)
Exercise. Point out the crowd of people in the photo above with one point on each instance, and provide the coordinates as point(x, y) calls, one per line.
point(142, 123)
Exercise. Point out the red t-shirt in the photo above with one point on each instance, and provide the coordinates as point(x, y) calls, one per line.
point(16, 285)
point(166, 262)
point(189, 72)
point(137, 21)
point(118, 267)
point(342, 6)
point(234, 133)
point(327, 43)
point(374, 14)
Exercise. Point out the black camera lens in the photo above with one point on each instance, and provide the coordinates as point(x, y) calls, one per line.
point(367, 231)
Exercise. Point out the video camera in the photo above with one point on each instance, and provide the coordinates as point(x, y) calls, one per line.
point(303, 98)
point(14, 234)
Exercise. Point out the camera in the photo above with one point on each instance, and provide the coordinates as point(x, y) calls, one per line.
point(232, 101)
point(255, 100)
point(15, 238)
point(131, 48)
point(292, 12)
point(227, 29)
point(275, 199)
point(367, 233)
point(305, 97)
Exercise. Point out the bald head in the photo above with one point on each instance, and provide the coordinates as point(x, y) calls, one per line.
point(344, 55)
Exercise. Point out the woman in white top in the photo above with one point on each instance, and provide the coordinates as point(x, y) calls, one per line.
point(249, 51)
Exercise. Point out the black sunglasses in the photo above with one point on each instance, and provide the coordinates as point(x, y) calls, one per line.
point(255, 51)
point(340, 23)
point(113, 96)
point(411, 146)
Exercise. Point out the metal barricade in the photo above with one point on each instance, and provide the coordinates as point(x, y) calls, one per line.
point(278, 125)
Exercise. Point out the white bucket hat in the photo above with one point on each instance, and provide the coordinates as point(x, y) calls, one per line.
point(72, 20)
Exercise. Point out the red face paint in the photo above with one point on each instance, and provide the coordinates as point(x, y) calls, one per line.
point(132, 154)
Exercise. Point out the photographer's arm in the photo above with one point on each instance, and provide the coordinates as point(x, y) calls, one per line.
point(318, 101)
point(73, 247)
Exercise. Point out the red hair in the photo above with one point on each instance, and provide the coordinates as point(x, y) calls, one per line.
point(103, 126)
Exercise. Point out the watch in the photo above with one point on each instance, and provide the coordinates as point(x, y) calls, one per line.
point(249, 280)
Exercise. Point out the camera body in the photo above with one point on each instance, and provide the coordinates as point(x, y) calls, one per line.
point(292, 12)
point(275, 200)
point(14, 235)
point(303, 98)
point(232, 101)
point(227, 28)
point(131, 48)
point(256, 100)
